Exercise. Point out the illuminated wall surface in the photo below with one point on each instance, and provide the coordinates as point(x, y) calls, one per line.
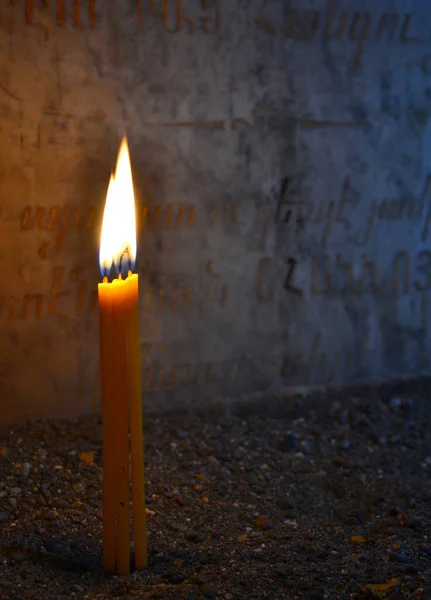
point(281, 154)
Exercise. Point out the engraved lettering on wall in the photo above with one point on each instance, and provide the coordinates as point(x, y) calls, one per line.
point(267, 279)
point(327, 214)
point(175, 17)
point(159, 376)
point(289, 281)
point(219, 292)
point(65, 129)
point(421, 63)
point(325, 365)
point(336, 276)
point(74, 294)
point(398, 210)
point(159, 298)
point(354, 26)
point(39, 12)
point(292, 210)
point(56, 223)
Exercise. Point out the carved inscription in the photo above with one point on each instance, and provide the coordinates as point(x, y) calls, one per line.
point(176, 216)
point(164, 297)
point(328, 214)
point(158, 376)
point(59, 222)
point(74, 294)
point(266, 279)
point(174, 16)
point(36, 305)
point(423, 64)
point(335, 276)
point(60, 129)
point(398, 210)
point(289, 284)
point(168, 216)
point(37, 12)
point(358, 27)
point(219, 293)
point(324, 366)
point(14, 308)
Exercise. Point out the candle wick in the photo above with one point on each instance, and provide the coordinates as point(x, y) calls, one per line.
point(129, 274)
point(105, 279)
point(126, 254)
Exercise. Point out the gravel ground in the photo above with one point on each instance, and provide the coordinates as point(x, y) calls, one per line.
point(330, 499)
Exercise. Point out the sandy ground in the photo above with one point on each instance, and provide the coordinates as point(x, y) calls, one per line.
point(324, 499)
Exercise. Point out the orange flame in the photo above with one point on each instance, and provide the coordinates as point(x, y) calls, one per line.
point(118, 239)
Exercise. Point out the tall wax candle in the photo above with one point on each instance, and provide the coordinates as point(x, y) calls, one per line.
point(136, 435)
point(121, 378)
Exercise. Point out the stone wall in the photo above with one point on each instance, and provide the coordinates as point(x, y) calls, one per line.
point(281, 154)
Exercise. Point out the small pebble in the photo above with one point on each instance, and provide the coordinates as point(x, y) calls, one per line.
point(285, 504)
point(398, 557)
point(192, 535)
point(208, 591)
point(264, 523)
point(351, 521)
point(87, 458)
point(177, 526)
point(202, 448)
point(411, 570)
point(4, 517)
point(17, 556)
point(197, 579)
point(48, 515)
point(180, 433)
point(50, 546)
point(60, 503)
point(395, 403)
point(415, 524)
point(26, 470)
point(288, 443)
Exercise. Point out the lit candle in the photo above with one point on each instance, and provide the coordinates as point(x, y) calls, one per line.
point(121, 377)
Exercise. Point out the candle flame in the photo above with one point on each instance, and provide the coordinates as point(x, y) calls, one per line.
point(118, 239)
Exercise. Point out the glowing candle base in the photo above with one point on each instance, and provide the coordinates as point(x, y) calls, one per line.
point(121, 413)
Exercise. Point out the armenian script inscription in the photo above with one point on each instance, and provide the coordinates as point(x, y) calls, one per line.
point(357, 26)
point(35, 12)
point(281, 158)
